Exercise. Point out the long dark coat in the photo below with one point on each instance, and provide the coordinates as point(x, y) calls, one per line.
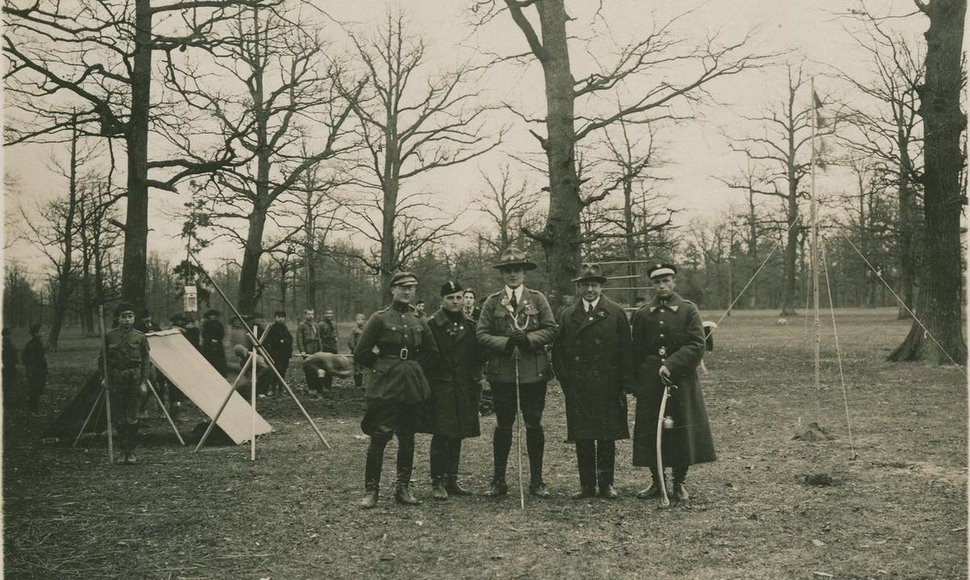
point(455, 377)
point(593, 360)
point(495, 326)
point(675, 326)
point(279, 343)
point(213, 332)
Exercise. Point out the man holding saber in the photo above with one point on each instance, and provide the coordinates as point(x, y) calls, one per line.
point(668, 343)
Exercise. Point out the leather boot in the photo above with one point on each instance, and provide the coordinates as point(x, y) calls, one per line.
point(453, 487)
point(130, 437)
point(372, 470)
point(451, 474)
point(535, 443)
point(654, 489)
point(680, 489)
point(586, 462)
point(405, 463)
point(371, 494)
point(605, 462)
point(438, 490)
point(501, 446)
point(498, 488)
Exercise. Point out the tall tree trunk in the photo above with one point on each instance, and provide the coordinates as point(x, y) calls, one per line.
point(906, 231)
point(561, 236)
point(66, 267)
point(631, 246)
point(940, 300)
point(391, 188)
point(248, 294)
point(134, 272)
point(791, 256)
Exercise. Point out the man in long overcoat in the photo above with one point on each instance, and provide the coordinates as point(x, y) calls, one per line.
point(668, 344)
point(279, 344)
point(212, 334)
point(593, 360)
point(515, 326)
point(455, 390)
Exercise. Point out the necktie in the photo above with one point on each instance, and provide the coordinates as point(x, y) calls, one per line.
point(590, 310)
point(513, 301)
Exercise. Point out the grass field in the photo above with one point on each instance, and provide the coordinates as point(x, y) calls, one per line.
point(898, 510)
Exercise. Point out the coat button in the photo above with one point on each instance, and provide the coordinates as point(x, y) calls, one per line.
point(661, 335)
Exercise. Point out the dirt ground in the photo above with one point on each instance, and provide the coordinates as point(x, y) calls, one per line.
point(771, 507)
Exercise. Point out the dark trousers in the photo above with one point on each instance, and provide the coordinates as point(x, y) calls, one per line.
point(445, 457)
point(375, 459)
point(532, 398)
point(596, 459)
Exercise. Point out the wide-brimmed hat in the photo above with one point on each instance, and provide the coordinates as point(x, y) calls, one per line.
point(661, 270)
point(514, 258)
point(590, 273)
point(404, 279)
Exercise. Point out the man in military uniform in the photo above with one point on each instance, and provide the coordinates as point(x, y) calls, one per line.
point(307, 343)
point(515, 326)
point(455, 390)
point(593, 360)
point(328, 341)
point(398, 390)
point(128, 365)
point(668, 344)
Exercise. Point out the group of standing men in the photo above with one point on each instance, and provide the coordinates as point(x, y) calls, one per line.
point(425, 376)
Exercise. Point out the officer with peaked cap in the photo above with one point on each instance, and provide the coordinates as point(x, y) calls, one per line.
point(668, 343)
point(398, 390)
point(455, 389)
point(515, 326)
point(128, 365)
point(593, 360)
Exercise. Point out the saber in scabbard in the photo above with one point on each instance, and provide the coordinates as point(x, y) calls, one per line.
point(664, 499)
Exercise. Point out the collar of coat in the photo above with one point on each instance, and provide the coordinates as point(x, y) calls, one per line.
point(673, 303)
point(599, 312)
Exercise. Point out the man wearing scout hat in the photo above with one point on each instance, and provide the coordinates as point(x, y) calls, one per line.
point(593, 360)
point(127, 364)
point(398, 390)
point(668, 344)
point(515, 326)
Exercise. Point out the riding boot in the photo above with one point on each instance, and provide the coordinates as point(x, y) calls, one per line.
point(132, 439)
point(535, 443)
point(680, 477)
point(654, 489)
point(372, 471)
point(405, 463)
point(586, 462)
point(605, 462)
point(501, 446)
point(451, 476)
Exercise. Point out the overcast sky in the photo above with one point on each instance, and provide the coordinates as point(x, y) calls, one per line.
point(696, 150)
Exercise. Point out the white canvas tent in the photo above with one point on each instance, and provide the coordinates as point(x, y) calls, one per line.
point(187, 369)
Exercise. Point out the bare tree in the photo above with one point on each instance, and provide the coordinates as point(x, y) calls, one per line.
point(660, 51)
point(507, 205)
point(409, 130)
point(95, 57)
point(940, 300)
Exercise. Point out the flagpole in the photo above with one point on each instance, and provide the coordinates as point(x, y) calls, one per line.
point(814, 255)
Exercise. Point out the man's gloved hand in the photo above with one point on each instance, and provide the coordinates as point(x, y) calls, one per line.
point(520, 339)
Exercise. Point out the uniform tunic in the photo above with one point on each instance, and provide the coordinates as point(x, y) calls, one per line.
point(593, 360)
point(397, 387)
point(328, 336)
point(456, 376)
point(495, 326)
point(128, 366)
point(308, 337)
point(675, 326)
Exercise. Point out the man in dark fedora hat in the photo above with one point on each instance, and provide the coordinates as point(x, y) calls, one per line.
point(668, 344)
point(514, 328)
point(593, 360)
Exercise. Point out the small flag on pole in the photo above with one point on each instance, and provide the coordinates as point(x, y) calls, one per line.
point(820, 120)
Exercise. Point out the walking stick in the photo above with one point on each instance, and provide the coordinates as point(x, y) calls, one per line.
point(518, 431)
point(107, 394)
point(661, 424)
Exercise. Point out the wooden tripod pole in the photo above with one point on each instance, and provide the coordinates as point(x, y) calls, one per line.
point(222, 407)
point(104, 370)
point(158, 399)
point(518, 432)
point(252, 413)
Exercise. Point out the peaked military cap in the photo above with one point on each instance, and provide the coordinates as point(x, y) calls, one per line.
point(590, 273)
point(514, 257)
point(661, 270)
point(404, 279)
point(123, 307)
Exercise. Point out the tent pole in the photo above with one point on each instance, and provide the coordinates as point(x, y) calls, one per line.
point(252, 413)
point(88, 418)
point(222, 407)
point(107, 394)
point(151, 388)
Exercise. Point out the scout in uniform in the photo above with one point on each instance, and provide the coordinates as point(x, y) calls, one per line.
point(307, 343)
point(328, 341)
point(593, 359)
point(668, 344)
point(397, 390)
point(515, 326)
point(358, 330)
point(455, 390)
point(128, 364)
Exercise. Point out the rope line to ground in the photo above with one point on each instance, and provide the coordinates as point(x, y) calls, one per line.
point(838, 349)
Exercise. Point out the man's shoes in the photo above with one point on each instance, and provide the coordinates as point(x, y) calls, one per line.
point(498, 488)
point(453, 487)
point(608, 492)
point(538, 489)
point(404, 496)
point(369, 500)
point(585, 492)
point(649, 493)
point(680, 492)
point(438, 490)
point(130, 458)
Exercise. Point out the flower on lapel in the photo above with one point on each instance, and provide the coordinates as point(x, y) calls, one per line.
point(529, 308)
point(507, 305)
point(601, 314)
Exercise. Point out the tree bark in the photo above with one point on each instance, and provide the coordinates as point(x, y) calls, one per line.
point(134, 270)
point(940, 300)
